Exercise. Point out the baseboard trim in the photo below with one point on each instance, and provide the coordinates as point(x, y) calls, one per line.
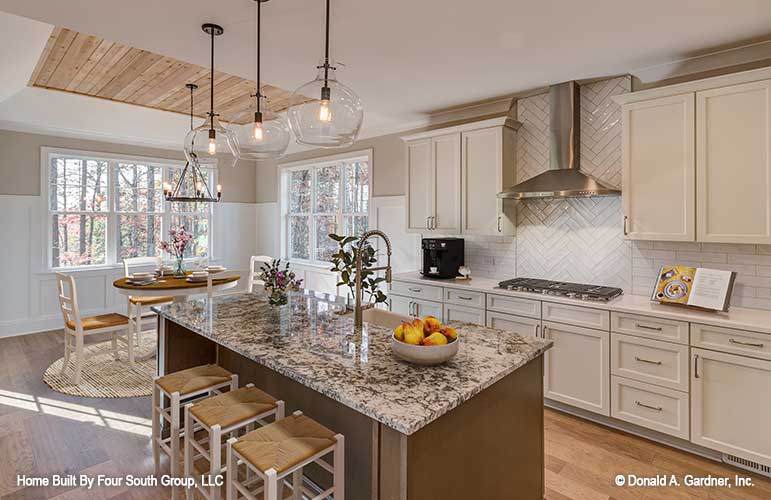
point(636, 430)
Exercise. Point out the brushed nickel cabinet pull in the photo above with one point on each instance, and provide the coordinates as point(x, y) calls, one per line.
point(626, 233)
point(428, 223)
point(643, 360)
point(750, 344)
point(416, 290)
point(537, 330)
point(499, 223)
point(656, 408)
point(433, 222)
point(695, 366)
point(465, 298)
point(646, 327)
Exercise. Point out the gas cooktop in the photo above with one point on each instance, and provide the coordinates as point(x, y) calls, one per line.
point(561, 288)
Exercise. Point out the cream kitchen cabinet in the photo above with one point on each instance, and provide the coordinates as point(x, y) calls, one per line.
point(454, 175)
point(658, 169)
point(733, 163)
point(730, 407)
point(408, 306)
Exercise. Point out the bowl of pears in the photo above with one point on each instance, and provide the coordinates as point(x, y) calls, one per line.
point(425, 341)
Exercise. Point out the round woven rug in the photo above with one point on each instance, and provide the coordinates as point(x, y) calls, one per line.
point(104, 377)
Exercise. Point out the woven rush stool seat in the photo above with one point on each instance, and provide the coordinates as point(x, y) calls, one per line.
point(229, 414)
point(193, 379)
point(283, 448)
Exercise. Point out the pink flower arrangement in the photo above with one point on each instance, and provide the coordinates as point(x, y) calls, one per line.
point(178, 241)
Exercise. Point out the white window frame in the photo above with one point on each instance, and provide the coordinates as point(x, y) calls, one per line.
point(111, 242)
point(283, 200)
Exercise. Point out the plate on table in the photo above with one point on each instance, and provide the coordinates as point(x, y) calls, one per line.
point(215, 269)
point(140, 280)
point(198, 277)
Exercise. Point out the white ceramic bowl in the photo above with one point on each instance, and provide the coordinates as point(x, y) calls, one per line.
point(425, 354)
point(215, 269)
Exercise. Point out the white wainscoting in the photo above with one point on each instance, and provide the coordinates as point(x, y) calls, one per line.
point(28, 301)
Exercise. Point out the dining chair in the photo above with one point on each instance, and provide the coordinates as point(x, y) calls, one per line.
point(212, 277)
point(254, 275)
point(77, 328)
point(139, 312)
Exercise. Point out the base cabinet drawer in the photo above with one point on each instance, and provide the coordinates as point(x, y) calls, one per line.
point(652, 361)
point(416, 308)
point(577, 315)
point(756, 345)
point(730, 404)
point(657, 408)
point(650, 327)
point(514, 305)
point(416, 291)
point(576, 370)
point(517, 324)
point(454, 312)
point(464, 298)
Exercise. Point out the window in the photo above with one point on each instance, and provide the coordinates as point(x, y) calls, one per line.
point(103, 209)
point(322, 197)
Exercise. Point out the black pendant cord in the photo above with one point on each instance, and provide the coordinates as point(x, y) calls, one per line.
point(325, 93)
point(192, 88)
point(258, 93)
point(211, 94)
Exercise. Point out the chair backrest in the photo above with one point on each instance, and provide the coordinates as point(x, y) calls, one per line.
point(130, 262)
point(68, 299)
point(218, 276)
point(254, 274)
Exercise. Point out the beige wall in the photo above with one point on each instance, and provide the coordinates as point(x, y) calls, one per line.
point(20, 164)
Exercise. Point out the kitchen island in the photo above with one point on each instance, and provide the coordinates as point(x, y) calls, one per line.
point(471, 428)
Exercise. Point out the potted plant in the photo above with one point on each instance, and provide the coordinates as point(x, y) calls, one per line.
point(344, 263)
point(178, 241)
point(278, 281)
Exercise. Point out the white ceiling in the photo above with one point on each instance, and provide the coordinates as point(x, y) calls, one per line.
point(408, 58)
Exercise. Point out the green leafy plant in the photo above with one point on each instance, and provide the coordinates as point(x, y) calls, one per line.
point(344, 262)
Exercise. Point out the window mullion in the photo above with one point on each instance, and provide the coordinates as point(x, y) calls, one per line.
point(111, 227)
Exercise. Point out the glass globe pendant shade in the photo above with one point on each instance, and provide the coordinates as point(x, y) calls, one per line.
point(331, 118)
point(212, 142)
point(262, 140)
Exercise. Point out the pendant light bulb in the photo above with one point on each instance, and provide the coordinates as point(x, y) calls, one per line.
point(212, 146)
point(325, 114)
point(257, 131)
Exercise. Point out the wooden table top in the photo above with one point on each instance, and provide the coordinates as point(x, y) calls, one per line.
point(171, 283)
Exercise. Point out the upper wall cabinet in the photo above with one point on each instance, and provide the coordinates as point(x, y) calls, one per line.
point(697, 160)
point(454, 175)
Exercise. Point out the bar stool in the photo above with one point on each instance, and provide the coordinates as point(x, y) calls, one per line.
point(191, 385)
point(281, 449)
point(227, 413)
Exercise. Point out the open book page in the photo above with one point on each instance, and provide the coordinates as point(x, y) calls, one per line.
point(711, 288)
point(674, 284)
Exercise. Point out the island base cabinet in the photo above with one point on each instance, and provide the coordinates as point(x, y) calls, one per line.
point(577, 367)
point(730, 404)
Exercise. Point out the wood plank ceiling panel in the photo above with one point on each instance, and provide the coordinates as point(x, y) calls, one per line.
point(89, 65)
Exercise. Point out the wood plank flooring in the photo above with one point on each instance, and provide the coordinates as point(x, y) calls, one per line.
point(43, 432)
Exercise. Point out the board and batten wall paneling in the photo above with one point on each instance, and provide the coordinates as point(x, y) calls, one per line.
point(20, 163)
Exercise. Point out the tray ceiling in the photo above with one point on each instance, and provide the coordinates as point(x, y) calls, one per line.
point(90, 65)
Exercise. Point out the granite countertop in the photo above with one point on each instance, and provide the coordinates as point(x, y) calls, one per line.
point(755, 320)
point(311, 344)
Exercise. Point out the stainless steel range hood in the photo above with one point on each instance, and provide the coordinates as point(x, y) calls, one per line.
point(564, 178)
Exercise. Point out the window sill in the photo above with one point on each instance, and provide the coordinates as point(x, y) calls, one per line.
point(106, 267)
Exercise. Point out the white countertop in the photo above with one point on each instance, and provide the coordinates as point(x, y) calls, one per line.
point(755, 320)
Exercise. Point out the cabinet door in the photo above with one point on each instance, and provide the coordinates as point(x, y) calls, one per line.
point(481, 181)
point(577, 367)
point(473, 315)
point(733, 164)
point(445, 192)
point(730, 407)
point(402, 305)
point(658, 145)
point(518, 324)
point(419, 185)
point(425, 308)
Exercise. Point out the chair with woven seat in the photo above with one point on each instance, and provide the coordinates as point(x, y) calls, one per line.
point(190, 385)
point(222, 415)
point(139, 311)
point(282, 449)
point(254, 274)
point(77, 328)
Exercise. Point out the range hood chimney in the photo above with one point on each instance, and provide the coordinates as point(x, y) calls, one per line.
point(564, 178)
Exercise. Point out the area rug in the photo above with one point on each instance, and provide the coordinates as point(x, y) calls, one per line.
point(104, 377)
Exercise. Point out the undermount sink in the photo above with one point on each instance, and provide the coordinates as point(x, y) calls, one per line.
point(386, 319)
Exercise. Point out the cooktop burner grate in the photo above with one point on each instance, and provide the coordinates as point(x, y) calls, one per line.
point(562, 288)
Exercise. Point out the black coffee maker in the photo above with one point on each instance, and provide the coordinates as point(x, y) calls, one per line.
point(442, 257)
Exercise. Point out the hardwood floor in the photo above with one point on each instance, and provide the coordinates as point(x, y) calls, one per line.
point(43, 432)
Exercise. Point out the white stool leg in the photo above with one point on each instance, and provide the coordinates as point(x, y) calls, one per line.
point(215, 464)
point(67, 350)
point(115, 352)
point(271, 485)
point(232, 474)
point(297, 484)
point(174, 459)
point(280, 409)
point(156, 434)
point(339, 467)
point(188, 471)
point(78, 358)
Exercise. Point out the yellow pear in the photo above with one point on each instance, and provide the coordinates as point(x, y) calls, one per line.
point(435, 338)
point(418, 323)
point(431, 325)
point(413, 335)
point(449, 332)
point(399, 332)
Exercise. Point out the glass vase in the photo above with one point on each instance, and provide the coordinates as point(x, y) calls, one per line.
point(277, 297)
point(179, 268)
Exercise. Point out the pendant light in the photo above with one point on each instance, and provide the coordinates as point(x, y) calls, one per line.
point(212, 140)
point(335, 118)
point(191, 180)
point(265, 135)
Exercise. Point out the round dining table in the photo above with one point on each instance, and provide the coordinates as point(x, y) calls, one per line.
point(179, 289)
